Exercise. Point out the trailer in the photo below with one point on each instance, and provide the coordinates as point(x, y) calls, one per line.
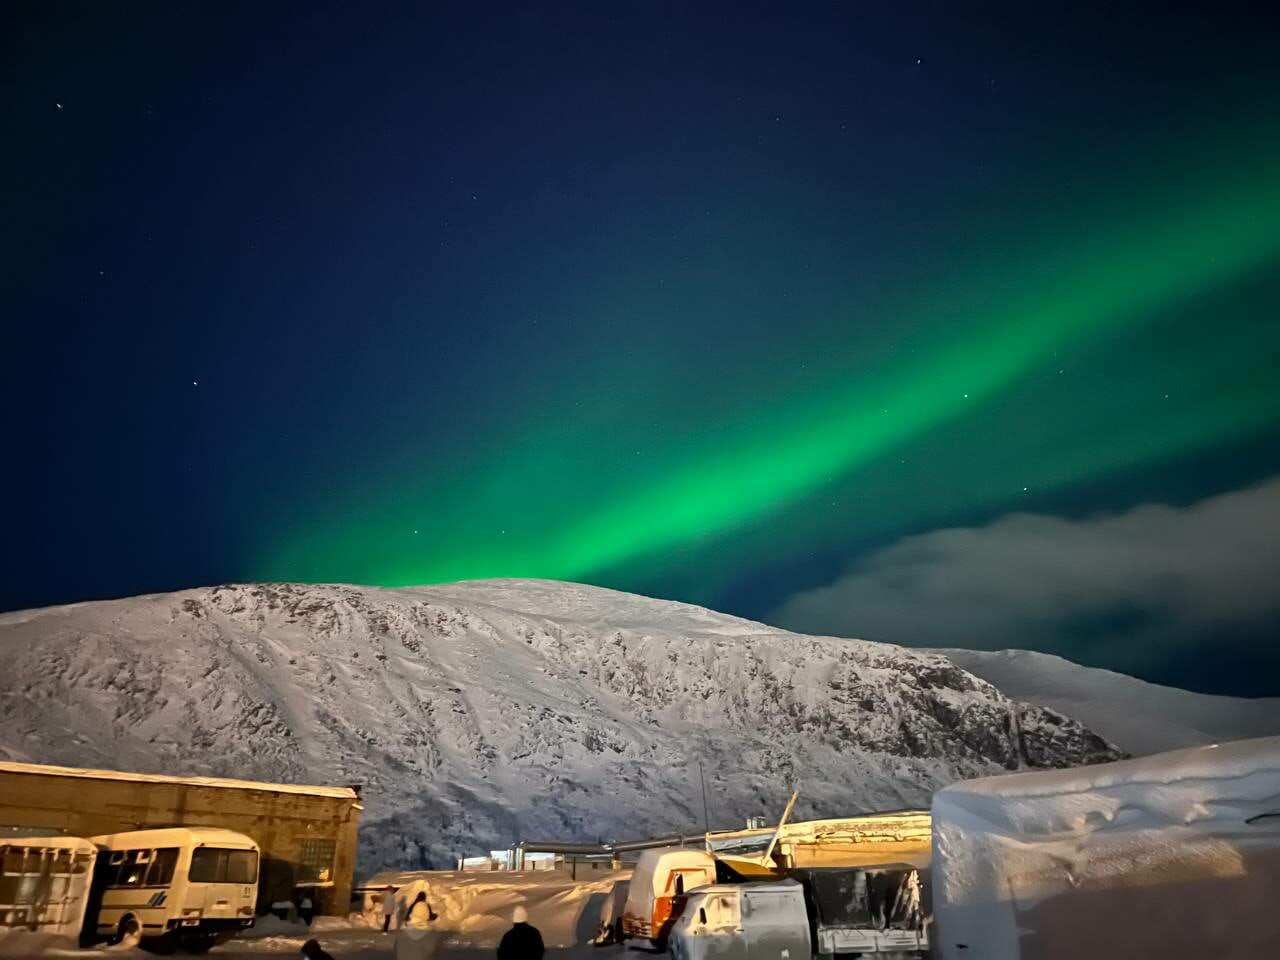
point(45, 885)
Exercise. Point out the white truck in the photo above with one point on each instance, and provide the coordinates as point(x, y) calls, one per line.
point(875, 912)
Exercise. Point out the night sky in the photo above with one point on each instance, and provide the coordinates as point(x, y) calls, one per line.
point(943, 326)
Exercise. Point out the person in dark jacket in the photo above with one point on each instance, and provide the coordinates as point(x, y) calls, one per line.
point(306, 909)
point(313, 951)
point(522, 941)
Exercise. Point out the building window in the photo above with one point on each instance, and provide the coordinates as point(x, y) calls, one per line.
point(315, 860)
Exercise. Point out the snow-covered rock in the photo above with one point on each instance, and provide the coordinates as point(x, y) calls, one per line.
point(1176, 854)
point(477, 713)
point(1137, 716)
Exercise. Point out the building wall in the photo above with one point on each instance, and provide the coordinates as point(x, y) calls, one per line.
point(286, 826)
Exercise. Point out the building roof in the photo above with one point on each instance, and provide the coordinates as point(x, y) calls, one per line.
point(39, 769)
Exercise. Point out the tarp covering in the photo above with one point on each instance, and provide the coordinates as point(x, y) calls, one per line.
point(1176, 854)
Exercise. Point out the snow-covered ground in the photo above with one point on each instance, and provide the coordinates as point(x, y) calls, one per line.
point(478, 713)
point(1137, 716)
point(474, 910)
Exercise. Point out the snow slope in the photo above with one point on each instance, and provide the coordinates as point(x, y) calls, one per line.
point(479, 713)
point(1137, 716)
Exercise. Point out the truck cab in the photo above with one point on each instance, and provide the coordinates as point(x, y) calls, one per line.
point(877, 912)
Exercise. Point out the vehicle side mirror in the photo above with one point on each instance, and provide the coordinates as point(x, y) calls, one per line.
point(702, 916)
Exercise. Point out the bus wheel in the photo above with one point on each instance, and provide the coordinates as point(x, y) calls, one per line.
point(129, 933)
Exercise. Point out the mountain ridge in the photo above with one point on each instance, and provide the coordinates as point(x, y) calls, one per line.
point(1138, 716)
point(479, 712)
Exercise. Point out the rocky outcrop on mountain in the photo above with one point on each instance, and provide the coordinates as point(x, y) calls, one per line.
point(477, 713)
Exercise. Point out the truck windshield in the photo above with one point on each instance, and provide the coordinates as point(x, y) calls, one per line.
point(216, 865)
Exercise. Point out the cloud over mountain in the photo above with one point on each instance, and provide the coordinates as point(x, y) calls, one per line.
point(1180, 594)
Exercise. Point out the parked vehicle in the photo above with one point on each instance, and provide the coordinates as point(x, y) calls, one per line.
point(659, 884)
point(750, 921)
point(867, 911)
point(853, 912)
point(44, 884)
point(190, 887)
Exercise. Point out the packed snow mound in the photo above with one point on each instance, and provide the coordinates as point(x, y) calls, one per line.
point(1176, 854)
point(1137, 716)
point(479, 713)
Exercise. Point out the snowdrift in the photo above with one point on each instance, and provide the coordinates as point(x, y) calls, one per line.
point(473, 910)
point(1168, 855)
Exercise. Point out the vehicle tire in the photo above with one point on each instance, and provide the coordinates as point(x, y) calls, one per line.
point(128, 933)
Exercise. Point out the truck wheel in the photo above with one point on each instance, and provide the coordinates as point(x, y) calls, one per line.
point(129, 933)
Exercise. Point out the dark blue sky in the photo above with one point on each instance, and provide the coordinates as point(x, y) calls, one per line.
point(615, 293)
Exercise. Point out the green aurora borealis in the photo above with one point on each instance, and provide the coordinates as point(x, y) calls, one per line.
point(715, 303)
point(881, 440)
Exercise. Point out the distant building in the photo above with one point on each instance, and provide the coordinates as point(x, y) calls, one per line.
point(307, 834)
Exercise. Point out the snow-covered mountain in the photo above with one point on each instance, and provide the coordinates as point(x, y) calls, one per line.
point(478, 713)
point(1137, 716)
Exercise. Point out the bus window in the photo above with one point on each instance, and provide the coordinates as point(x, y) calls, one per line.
point(211, 865)
point(133, 869)
point(242, 866)
point(160, 874)
point(13, 860)
point(115, 865)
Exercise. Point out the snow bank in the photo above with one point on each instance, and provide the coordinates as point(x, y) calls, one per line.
point(473, 910)
point(1166, 855)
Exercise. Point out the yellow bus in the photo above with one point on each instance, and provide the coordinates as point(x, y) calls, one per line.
point(187, 886)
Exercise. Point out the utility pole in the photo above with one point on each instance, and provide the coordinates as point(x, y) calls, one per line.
point(706, 820)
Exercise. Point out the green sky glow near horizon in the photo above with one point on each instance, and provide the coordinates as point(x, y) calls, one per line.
point(531, 508)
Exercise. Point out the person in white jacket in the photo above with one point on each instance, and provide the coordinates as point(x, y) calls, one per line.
point(418, 938)
point(389, 909)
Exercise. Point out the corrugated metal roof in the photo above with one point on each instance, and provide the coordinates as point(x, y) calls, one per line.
point(39, 769)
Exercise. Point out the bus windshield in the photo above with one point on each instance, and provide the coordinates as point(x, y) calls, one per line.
point(217, 865)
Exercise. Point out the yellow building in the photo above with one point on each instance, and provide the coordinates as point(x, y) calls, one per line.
point(307, 835)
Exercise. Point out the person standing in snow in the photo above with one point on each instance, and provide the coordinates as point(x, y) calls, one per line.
point(306, 909)
point(417, 939)
point(388, 908)
point(522, 941)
